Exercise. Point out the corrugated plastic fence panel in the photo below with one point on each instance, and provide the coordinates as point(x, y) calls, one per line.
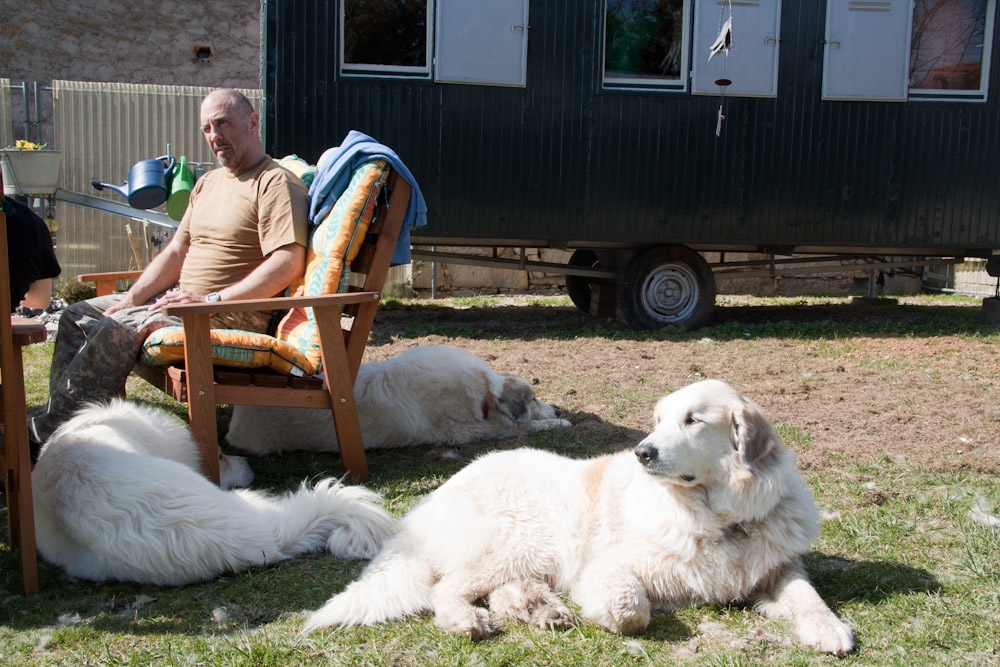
point(6, 116)
point(566, 161)
point(103, 129)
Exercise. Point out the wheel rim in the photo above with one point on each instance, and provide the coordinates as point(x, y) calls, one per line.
point(670, 293)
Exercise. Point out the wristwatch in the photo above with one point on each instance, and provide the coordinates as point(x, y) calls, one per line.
point(213, 297)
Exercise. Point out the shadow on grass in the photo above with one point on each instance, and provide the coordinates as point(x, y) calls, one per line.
point(840, 580)
point(228, 604)
point(727, 322)
point(422, 468)
point(234, 603)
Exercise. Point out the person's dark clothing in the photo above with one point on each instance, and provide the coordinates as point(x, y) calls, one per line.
point(29, 249)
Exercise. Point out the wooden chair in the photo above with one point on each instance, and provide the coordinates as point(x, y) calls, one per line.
point(343, 323)
point(15, 333)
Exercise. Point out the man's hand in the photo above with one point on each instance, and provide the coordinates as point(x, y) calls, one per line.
point(161, 274)
point(126, 301)
point(177, 296)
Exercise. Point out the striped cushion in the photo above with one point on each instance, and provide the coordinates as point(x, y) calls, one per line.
point(333, 243)
point(305, 171)
point(230, 347)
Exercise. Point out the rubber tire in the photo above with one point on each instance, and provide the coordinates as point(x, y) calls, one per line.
point(580, 288)
point(666, 285)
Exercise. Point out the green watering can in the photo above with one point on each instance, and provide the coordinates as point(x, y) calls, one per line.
point(181, 184)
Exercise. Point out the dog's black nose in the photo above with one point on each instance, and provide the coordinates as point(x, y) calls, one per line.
point(645, 453)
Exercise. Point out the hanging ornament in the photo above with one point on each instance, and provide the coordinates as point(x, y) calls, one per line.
point(724, 40)
point(722, 44)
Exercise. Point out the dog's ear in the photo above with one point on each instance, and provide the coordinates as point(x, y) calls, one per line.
point(515, 398)
point(751, 432)
point(658, 411)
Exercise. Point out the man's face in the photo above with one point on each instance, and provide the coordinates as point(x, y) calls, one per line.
point(230, 133)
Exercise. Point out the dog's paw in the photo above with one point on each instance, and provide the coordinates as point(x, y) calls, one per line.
point(529, 602)
point(624, 622)
point(552, 617)
point(630, 623)
point(564, 423)
point(471, 622)
point(826, 635)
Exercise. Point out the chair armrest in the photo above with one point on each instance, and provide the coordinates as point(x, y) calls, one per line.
point(106, 282)
point(25, 331)
point(117, 275)
point(276, 303)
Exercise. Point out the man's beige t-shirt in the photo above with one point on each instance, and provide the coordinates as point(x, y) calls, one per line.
point(234, 221)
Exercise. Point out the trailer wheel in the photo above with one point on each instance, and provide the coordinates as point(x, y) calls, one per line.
point(666, 285)
point(579, 288)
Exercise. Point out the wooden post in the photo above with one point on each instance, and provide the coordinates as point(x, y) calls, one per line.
point(16, 451)
point(340, 386)
point(201, 392)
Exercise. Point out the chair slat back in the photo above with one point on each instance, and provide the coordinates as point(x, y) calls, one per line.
point(374, 257)
point(380, 244)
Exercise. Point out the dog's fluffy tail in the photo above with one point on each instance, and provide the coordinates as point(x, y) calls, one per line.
point(394, 585)
point(348, 520)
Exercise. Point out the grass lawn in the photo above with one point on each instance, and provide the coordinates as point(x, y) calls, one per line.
point(909, 552)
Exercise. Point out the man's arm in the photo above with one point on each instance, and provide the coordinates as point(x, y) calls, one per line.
point(39, 294)
point(160, 275)
point(274, 274)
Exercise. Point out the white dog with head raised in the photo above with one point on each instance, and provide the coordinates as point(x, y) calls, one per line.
point(119, 494)
point(708, 508)
point(431, 394)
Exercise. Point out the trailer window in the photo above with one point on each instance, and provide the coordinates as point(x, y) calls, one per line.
point(390, 37)
point(646, 44)
point(950, 48)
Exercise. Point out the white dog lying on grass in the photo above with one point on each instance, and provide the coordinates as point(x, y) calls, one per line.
point(433, 394)
point(119, 494)
point(708, 508)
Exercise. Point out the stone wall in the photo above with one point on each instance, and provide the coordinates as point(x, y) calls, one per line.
point(453, 278)
point(212, 43)
point(464, 278)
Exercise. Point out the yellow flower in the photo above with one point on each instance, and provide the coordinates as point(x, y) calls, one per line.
point(23, 145)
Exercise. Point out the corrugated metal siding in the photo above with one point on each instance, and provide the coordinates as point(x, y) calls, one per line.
point(6, 116)
point(563, 160)
point(103, 129)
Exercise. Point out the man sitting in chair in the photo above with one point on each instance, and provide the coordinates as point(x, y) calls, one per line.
point(243, 236)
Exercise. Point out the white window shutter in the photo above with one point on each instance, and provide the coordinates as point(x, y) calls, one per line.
point(867, 50)
point(481, 41)
point(752, 63)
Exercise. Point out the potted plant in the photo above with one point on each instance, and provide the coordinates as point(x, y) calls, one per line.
point(29, 169)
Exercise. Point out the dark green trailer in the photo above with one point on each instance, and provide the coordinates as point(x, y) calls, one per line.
point(829, 129)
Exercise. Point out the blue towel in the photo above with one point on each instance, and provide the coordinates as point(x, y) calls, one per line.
point(333, 174)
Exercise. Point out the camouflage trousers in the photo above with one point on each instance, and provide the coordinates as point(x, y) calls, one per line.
point(94, 354)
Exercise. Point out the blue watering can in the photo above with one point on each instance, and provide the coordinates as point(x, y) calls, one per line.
point(146, 186)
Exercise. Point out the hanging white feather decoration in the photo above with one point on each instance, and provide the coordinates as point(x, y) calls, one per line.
point(724, 40)
point(722, 44)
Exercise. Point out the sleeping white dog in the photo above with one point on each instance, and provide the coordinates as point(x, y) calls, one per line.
point(119, 494)
point(432, 394)
point(708, 508)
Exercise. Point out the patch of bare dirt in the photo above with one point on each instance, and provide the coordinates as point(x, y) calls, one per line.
point(904, 396)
